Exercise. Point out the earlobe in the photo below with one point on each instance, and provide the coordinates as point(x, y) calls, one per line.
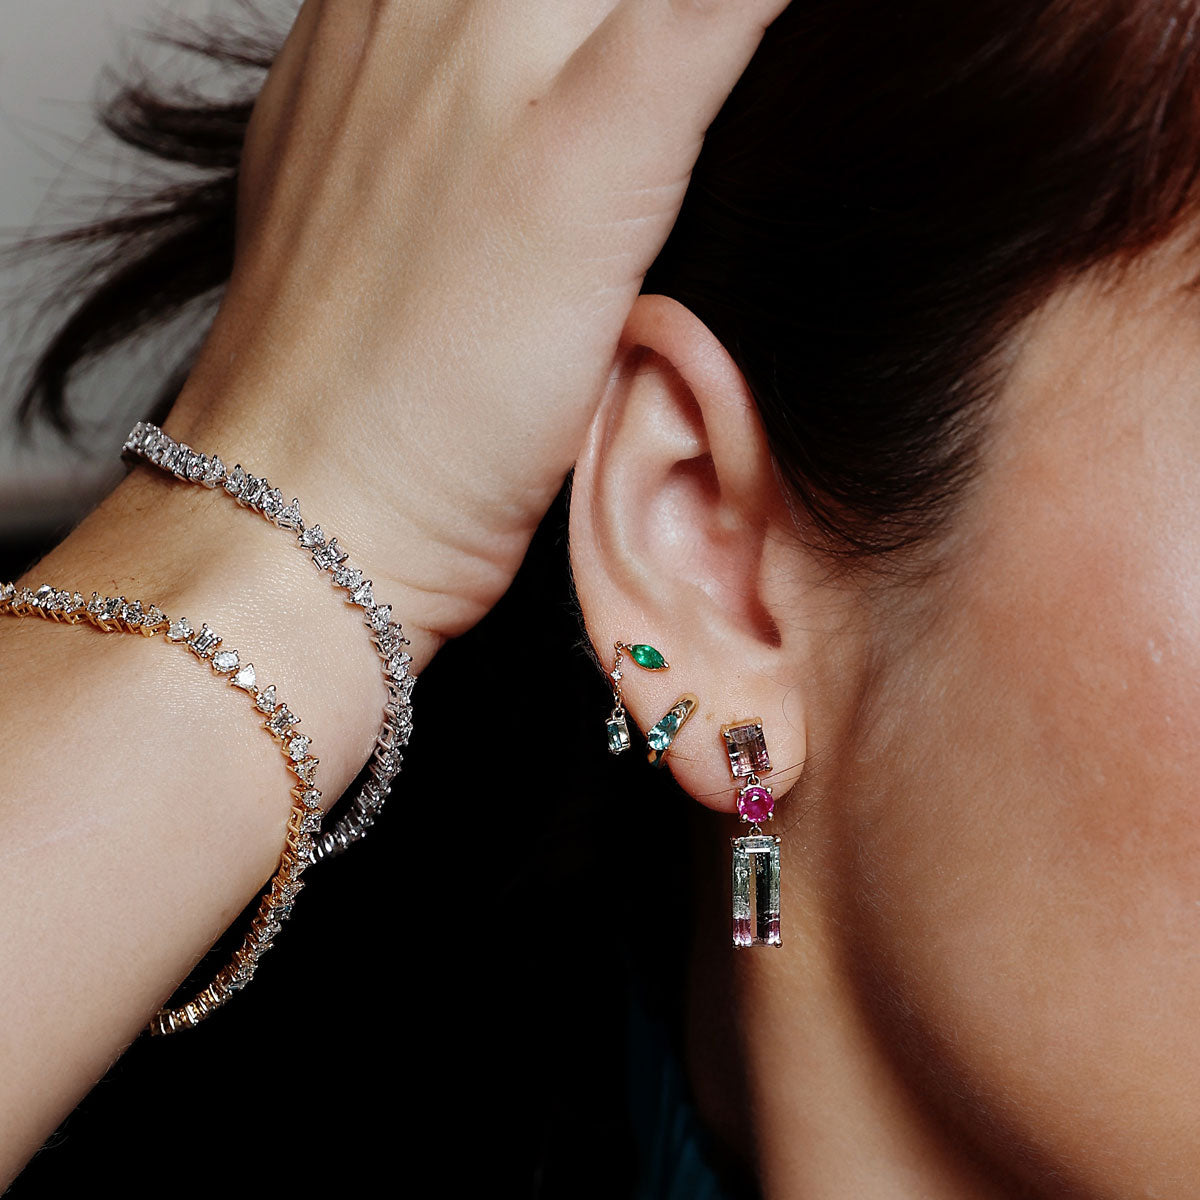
point(681, 536)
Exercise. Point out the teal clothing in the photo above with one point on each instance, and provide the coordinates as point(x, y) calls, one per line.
point(675, 1153)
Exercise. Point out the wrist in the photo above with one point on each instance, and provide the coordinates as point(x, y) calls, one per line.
point(192, 552)
point(432, 563)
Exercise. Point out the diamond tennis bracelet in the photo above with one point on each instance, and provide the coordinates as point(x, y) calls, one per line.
point(149, 442)
point(115, 614)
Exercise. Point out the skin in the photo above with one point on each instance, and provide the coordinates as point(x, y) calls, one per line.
point(986, 984)
point(445, 212)
point(991, 867)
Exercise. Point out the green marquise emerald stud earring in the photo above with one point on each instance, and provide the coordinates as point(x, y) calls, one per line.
point(649, 659)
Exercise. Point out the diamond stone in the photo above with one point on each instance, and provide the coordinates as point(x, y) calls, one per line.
point(326, 556)
point(289, 518)
point(330, 555)
point(204, 642)
point(311, 798)
point(311, 537)
point(244, 677)
point(113, 607)
point(154, 617)
point(347, 577)
point(252, 490)
point(298, 747)
point(310, 822)
point(272, 503)
point(197, 465)
point(381, 617)
point(265, 700)
point(281, 720)
point(235, 480)
point(398, 665)
point(391, 641)
point(389, 759)
point(363, 594)
point(304, 769)
point(215, 472)
point(95, 604)
point(225, 661)
point(134, 614)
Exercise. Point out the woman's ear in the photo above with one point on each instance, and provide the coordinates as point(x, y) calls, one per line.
point(682, 537)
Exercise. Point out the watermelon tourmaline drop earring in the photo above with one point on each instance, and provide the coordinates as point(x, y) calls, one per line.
point(755, 856)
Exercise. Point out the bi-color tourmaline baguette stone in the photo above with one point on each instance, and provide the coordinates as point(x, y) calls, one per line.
point(756, 890)
point(747, 749)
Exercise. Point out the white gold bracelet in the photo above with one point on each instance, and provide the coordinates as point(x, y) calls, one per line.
point(147, 441)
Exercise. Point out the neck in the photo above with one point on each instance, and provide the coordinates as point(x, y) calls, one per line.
point(794, 1074)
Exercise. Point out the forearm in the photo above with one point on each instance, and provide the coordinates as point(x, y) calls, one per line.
point(142, 804)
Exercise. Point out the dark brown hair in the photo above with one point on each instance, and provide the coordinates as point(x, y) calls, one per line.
point(888, 191)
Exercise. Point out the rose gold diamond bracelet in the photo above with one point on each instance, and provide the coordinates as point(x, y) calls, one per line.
point(115, 614)
point(148, 442)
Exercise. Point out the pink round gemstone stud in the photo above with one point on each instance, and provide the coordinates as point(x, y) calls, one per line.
point(755, 804)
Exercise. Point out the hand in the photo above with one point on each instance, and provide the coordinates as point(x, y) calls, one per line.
point(446, 211)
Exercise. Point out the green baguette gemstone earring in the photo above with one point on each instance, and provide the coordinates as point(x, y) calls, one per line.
point(649, 659)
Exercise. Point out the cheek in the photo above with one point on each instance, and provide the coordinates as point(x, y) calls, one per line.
point(1028, 874)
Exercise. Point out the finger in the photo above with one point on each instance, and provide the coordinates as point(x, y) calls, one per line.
point(658, 71)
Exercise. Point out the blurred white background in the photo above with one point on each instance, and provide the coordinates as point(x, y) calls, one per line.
point(56, 167)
